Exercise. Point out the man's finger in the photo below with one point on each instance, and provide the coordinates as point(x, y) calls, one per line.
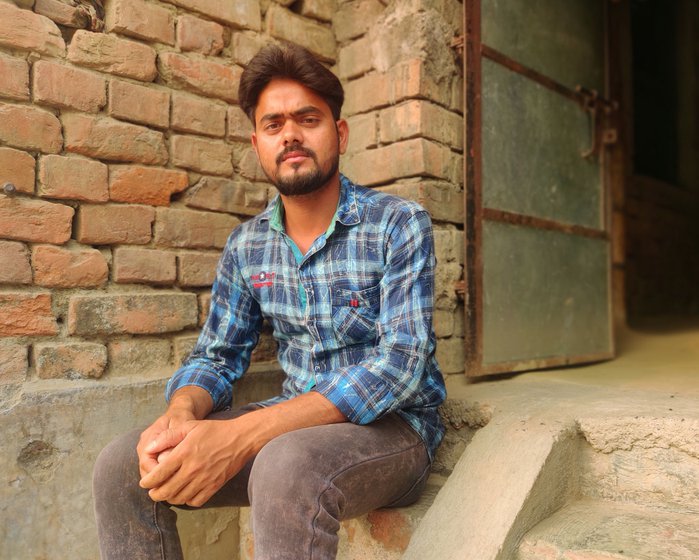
point(161, 473)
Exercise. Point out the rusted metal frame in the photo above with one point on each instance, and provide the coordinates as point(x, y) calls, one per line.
point(541, 79)
point(473, 212)
point(516, 366)
point(503, 216)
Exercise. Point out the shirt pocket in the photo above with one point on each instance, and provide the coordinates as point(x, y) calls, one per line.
point(355, 314)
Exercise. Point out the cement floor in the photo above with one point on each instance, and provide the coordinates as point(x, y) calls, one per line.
point(656, 369)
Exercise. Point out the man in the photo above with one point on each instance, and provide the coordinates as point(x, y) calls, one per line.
point(345, 276)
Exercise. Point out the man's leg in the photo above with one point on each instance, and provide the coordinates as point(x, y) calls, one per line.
point(130, 525)
point(304, 482)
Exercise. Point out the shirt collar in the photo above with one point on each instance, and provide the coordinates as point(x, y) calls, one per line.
point(347, 212)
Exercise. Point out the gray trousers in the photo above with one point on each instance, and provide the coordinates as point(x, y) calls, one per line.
point(299, 487)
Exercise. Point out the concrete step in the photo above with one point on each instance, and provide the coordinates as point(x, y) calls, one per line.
point(591, 529)
point(382, 534)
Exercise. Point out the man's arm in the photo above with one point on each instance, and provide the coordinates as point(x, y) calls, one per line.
point(208, 453)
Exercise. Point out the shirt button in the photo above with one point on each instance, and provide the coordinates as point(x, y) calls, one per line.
point(317, 368)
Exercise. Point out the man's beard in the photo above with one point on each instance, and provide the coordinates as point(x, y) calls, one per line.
point(306, 183)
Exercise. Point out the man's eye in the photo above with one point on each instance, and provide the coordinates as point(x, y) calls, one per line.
point(272, 126)
point(310, 121)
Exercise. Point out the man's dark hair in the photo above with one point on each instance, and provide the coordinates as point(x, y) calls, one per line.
point(294, 63)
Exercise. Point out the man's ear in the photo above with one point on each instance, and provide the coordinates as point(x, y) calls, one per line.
point(342, 134)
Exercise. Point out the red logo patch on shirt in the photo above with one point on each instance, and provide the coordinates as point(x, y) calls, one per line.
point(262, 280)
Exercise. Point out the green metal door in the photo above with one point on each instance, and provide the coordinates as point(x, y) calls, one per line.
point(537, 237)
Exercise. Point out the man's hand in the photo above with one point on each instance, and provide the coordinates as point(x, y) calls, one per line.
point(168, 423)
point(204, 456)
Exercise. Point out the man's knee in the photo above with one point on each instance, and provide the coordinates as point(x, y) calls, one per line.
point(117, 463)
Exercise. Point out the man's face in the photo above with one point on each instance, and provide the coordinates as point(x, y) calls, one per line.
point(296, 138)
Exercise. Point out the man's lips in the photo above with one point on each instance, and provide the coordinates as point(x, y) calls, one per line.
point(294, 154)
point(294, 157)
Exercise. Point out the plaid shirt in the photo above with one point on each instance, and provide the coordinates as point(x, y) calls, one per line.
point(352, 317)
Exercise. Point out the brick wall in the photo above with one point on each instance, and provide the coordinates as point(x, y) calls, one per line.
point(131, 163)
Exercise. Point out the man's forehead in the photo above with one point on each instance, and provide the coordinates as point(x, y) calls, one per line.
point(287, 95)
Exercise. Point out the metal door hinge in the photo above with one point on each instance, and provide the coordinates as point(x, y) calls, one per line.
point(593, 103)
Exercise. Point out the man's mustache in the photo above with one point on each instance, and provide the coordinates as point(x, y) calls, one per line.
point(296, 148)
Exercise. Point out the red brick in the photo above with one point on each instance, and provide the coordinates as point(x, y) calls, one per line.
point(202, 76)
point(444, 202)
point(194, 34)
point(353, 60)
point(15, 78)
point(64, 86)
point(62, 13)
point(57, 267)
point(17, 167)
point(109, 53)
point(363, 132)
point(241, 13)
point(139, 104)
point(420, 118)
point(70, 360)
point(353, 19)
point(196, 230)
point(25, 30)
point(114, 223)
point(197, 269)
point(25, 314)
point(30, 128)
point(417, 157)
point(239, 125)
point(201, 154)
point(224, 195)
point(319, 9)
point(244, 47)
point(286, 25)
point(141, 19)
point(138, 356)
point(204, 305)
point(35, 220)
point(14, 263)
point(73, 177)
point(109, 139)
point(145, 185)
point(183, 347)
point(147, 266)
point(250, 167)
point(131, 313)
point(197, 115)
point(13, 363)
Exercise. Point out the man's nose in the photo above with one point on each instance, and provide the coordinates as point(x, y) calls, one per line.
point(291, 133)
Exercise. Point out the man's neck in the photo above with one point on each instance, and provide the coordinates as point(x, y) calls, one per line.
point(308, 216)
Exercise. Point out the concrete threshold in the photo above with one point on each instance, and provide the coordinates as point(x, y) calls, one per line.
point(524, 465)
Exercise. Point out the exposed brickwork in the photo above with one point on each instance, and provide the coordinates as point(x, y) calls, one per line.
point(60, 85)
point(73, 178)
point(114, 223)
point(30, 128)
point(109, 139)
point(196, 34)
point(15, 78)
point(208, 78)
point(196, 269)
point(287, 26)
point(25, 314)
point(241, 13)
point(14, 263)
point(136, 357)
point(198, 115)
point(111, 54)
point(224, 195)
point(145, 185)
point(13, 363)
point(35, 220)
point(201, 154)
point(58, 267)
point(141, 20)
point(17, 167)
point(353, 19)
point(134, 313)
point(139, 104)
point(74, 360)
point(62, 13)
point(22, 29)
point(192, 229)
point(239, 126)
point(145, 266)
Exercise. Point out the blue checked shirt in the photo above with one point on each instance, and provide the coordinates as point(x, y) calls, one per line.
point(352, 317)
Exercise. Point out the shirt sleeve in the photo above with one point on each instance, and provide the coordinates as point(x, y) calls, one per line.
point(395, 374)
point(222, 352)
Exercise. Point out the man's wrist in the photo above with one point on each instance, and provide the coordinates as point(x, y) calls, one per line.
point(190, 402)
